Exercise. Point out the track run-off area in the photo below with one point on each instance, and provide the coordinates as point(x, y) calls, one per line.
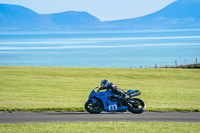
point(36, 117)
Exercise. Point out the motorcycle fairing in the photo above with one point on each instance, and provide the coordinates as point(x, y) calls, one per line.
point(107, 103)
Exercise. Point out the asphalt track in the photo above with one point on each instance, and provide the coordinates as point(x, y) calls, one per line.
point(26, 117)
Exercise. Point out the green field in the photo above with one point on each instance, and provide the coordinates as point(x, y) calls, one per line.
point(60, 88)
point(99, 127)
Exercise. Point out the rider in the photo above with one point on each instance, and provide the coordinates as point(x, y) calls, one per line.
point(105, 84)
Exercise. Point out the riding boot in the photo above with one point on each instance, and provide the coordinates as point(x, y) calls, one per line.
point(125, 97)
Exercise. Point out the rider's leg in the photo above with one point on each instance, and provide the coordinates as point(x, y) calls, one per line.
point(120, 92)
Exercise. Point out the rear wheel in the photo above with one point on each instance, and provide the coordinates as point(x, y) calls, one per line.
point(136, 106)
point(94, 108)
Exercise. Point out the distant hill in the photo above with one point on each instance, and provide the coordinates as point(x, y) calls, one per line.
point(180, 14)
point(17, 17)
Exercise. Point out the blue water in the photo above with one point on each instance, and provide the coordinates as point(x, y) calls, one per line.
point(116, 49)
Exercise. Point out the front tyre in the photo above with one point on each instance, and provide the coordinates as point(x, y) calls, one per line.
point(136, 106)
point(94, 107)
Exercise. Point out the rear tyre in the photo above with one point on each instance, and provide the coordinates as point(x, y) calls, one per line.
point(136, 106)
point(94, 108)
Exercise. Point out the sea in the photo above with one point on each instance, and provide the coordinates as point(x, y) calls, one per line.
point(102, 49)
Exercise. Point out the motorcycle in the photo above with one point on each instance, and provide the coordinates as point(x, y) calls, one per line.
point(108, 101)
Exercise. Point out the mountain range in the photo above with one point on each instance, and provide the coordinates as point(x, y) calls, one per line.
point(180, 14)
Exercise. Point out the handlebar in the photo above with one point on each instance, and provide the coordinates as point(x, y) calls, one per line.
point(96, 87)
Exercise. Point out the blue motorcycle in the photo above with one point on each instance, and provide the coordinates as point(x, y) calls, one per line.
point(108, 101)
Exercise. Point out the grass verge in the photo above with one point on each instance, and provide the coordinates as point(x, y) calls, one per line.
point(99, 127)
point(67, 89)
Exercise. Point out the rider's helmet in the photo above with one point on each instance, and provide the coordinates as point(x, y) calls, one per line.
point(105, 83)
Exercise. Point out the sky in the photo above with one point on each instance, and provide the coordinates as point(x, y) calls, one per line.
point(105, 10)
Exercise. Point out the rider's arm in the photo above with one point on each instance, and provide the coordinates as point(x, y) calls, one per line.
point(102, 88)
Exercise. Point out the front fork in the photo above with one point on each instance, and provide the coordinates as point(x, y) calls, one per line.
point(94, 101)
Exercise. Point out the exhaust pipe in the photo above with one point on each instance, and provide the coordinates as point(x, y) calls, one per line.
point(135, 94)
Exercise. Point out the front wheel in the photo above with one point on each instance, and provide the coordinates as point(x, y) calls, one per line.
point(94, 107)
point(136, 106)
